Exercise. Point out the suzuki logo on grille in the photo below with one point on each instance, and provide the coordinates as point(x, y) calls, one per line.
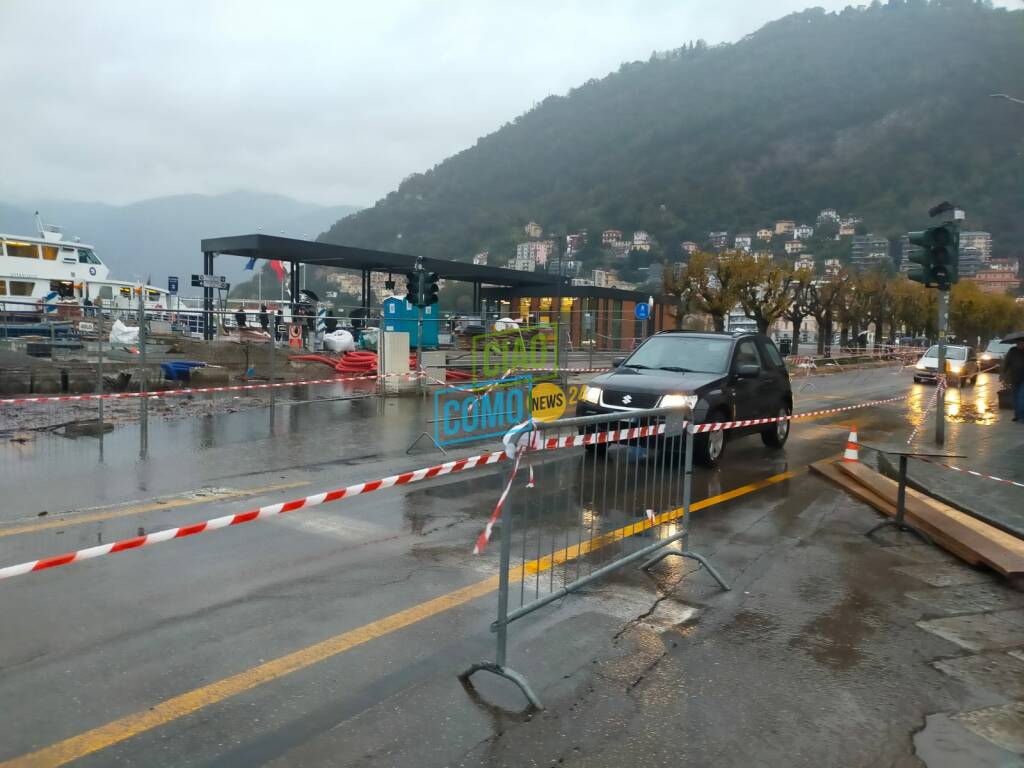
point(627, 399)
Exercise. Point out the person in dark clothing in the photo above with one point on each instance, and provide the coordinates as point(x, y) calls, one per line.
point(330, 322)
point(1013, 372)
point(278, 322)
point(264, 318)
point(240, 318)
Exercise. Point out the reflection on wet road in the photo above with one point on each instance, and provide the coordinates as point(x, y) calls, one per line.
point(152, 625)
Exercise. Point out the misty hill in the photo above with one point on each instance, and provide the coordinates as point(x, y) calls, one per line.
point(160, 237)
point(881, 112)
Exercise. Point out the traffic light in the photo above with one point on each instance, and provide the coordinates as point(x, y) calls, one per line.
point(412, 285)
point(939, 256)
point(429, 290)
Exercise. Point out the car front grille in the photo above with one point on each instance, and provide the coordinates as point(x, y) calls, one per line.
point(617, 399)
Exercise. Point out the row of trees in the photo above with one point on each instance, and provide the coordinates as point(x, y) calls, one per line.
point(853, 302)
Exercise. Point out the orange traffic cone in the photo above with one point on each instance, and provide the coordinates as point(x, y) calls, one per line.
point(850, 454)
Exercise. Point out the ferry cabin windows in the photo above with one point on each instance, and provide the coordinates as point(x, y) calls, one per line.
point(20, 288)
point(105, 292)
point(22, 250)
point(85, 256)
point(65, 289)
point(3, 287)
point(49, 252)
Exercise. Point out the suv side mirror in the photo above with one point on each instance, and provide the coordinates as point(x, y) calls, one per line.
point(748, 371)
point(617, 361)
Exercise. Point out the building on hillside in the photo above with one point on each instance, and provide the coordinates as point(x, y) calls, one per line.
point(570, 267)
point(641, 241)
point(804, 262)
point(620, 248)
point(971, 261)
point(828, 214)
point(610, 236)
point(738, 322)
point(480, 259)
point(523, 260)
point(764, 235)
point(905, 250)
point(848, 226)
point(689, 247)
point(601, 278)
point(1005, 265)
point(582, 281)
point(533, 229)
point(997, 281)
point(784, 227)
point(575, 241)
point(794, 246)
point(868, 251)
point(719, 240)
point(980, 241)
point(833, 267)
point(762, 255)
point(743, 242)
point(803, 232)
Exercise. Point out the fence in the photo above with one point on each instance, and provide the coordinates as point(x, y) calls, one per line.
point(588, 511)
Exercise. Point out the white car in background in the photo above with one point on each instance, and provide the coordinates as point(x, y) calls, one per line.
point(961, 365)
point(994, 353)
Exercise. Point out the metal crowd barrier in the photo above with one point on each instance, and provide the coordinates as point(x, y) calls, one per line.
point(603, 492)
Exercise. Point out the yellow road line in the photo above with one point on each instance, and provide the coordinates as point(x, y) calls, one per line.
point(188, 703)
point(68, 520)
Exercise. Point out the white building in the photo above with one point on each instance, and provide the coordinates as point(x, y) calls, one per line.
point(803, 232)
point(641, 240)
point(981, 241)
point(784, 227)
point(828, 214)
point(743, 242)
point(601, 278)
point(481, 258)
point(764, 235)
point(805, 262)
point(689, 247)
point(533, 229)
point(833, 267)
point(794, 246)
point(719, 240)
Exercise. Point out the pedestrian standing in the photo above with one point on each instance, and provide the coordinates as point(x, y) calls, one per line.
point(278, 322)
point(240, 318)
point(264, 318)
point(1013, 372)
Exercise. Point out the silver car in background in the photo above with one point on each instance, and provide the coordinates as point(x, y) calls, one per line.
point(961, 365)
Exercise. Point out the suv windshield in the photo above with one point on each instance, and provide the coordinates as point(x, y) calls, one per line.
point(682, 353)
point(998, 346)
point(952, 353)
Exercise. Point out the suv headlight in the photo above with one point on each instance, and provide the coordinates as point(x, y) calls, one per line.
point(955, 367)
point(674, 401)
point(592, 394)
point(920, 366)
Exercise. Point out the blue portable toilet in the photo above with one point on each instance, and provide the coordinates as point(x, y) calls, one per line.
point(402, 316)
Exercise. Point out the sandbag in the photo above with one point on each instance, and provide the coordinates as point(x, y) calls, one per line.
point(339, 341)
point(122, 335)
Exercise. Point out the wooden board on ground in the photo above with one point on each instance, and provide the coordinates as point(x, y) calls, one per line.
point(966, 536)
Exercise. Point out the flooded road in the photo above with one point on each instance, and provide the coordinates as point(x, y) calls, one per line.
point(270, 642)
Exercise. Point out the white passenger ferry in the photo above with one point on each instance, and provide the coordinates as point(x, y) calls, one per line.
point(39, 273)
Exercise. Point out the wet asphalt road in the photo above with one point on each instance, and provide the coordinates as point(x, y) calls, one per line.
point(179, 654)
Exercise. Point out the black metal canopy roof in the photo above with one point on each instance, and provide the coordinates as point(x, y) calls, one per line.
point(573, 291)
point(346, 257)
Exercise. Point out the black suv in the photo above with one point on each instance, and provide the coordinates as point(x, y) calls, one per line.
point(719, 376)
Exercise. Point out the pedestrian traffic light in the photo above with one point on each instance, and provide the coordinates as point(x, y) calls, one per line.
point(939, 256)
point(429, 288)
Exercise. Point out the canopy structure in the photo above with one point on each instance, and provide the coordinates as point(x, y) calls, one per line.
point(365, 260)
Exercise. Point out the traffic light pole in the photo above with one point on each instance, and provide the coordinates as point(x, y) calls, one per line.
point(940, 408)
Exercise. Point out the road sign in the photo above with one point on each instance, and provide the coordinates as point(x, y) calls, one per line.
point(642, 311)
point(209, 281)
point(172, 284)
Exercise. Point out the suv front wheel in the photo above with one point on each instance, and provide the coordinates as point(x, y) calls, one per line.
point(778, 433)
point(708, 448)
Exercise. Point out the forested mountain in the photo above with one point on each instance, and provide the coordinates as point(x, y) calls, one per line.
point(880, 112)
point(160, 236)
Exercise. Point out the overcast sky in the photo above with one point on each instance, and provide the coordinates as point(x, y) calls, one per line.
point(331, 101)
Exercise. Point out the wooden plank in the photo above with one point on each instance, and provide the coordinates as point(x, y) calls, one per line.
point(830, 470)
point(996, 548)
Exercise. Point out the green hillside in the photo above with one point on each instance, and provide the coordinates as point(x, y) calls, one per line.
point(879, 112)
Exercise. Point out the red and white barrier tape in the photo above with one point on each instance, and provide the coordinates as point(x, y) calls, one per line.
point(196, 390)
point(485, 534)
point(721, 425)
point(426, 473)
point(973, 472)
